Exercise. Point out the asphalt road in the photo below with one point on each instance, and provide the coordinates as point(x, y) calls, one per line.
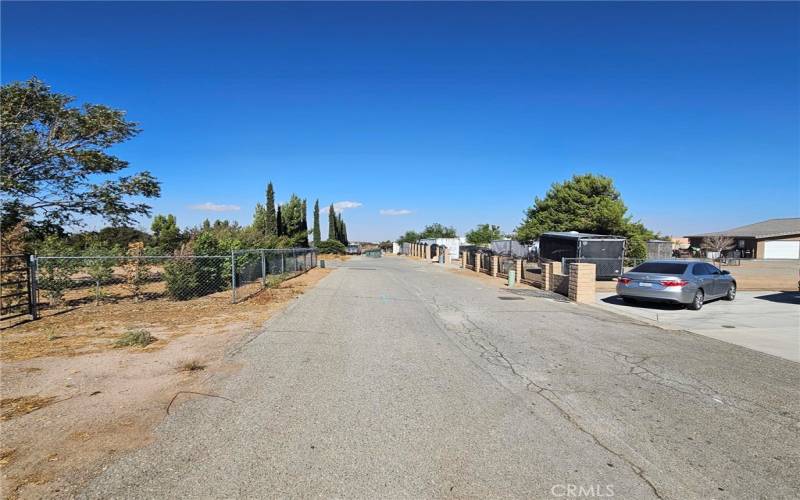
point(396, 378)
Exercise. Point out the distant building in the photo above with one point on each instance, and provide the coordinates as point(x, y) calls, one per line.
point(770, 239)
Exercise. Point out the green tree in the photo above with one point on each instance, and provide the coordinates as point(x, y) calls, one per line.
point(294, 220)
point(166, 233)
point(437, 230)
point(279, 230)
point(409, 237)
point(586, 203)
point(53, 157)
point(99, 269)
point(331, 246)
point(260, 220)
point(332, 224)
point(271, 219)
point(483, 234)
point(317, 233)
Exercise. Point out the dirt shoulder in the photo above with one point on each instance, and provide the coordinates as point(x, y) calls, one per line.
point(72, 401)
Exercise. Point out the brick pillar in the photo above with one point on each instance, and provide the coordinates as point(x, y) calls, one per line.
point(415, 253)
point(478, 262)
point(547, 276)
point(448, 259)
point(427, 252)
point(495, 265)
point(582, 282)
point(463, 260)
point(518, 268)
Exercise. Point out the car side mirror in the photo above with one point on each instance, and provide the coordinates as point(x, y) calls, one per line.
point(726, 272)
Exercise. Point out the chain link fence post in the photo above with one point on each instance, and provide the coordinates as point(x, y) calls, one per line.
point(263, 269)
point(33, 288)
point(233, 277)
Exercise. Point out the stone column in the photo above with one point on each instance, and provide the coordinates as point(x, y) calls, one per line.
point(582, 282)
point(427, 252)
point(478, 262)
point(447, 258)
point(464, 260)
point(518, 268)
point(495, 265)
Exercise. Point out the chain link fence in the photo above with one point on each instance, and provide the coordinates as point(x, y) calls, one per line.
point(75, 280)
point(255, 270)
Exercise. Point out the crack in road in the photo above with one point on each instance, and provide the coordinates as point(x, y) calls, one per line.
point(494, 356)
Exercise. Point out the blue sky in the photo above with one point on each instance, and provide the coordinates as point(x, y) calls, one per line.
point(458, 113)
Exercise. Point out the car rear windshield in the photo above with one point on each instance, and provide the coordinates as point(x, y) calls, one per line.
point(660, 268)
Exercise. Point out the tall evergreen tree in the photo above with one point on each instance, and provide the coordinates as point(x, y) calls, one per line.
point(271, 219)
point(279, 230)
point(317, 233)
point(332, 224)
point(304, 225)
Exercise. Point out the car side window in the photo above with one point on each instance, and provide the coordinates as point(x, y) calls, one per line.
point(713, 269)
point(699, 270)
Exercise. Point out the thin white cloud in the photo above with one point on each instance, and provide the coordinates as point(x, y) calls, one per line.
point(214, 207)
point(395, 211)
point(342, 205)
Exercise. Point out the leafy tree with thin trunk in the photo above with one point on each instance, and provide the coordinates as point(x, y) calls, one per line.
point(166, 232)
point(483, 234)
point(271, 218)
point(54, 157)
point(317, 233)
point(437, 230)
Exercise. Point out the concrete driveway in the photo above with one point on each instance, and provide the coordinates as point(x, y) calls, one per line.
point(764, 321)
point(395, 378)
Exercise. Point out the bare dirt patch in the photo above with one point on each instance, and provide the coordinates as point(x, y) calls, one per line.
point(72, 401)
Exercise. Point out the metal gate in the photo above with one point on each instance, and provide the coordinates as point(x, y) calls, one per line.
point(17, 290)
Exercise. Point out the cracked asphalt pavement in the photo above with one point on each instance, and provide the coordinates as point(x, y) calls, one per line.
point(397, 378)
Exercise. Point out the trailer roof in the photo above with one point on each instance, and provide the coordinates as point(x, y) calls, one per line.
point(574, 235)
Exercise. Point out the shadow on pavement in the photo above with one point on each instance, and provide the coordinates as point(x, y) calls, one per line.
point(663, 306)
point(782, 297)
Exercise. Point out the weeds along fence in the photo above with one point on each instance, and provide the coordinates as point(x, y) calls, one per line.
point(254, 270)
point(74, 280)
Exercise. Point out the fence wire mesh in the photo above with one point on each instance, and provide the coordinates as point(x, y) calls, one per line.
point(75, 280)
point(255, 270)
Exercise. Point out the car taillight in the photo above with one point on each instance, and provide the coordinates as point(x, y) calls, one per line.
point(674, 283)
point(624, 281)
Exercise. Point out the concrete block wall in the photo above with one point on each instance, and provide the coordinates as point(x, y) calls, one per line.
point(582, 282)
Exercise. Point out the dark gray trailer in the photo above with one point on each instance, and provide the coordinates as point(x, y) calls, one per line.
point(607, 252)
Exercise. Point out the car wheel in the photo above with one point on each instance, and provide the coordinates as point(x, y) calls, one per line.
point(628, 300)
point(697, 301)
point(731, 292)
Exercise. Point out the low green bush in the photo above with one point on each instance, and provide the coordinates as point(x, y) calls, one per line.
point(331, 246)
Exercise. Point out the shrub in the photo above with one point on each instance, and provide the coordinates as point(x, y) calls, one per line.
point(332, 246)
point(139, 338)
point(136, 270)
point(55, 275)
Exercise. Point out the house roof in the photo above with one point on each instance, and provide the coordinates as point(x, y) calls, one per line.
point(765, 229)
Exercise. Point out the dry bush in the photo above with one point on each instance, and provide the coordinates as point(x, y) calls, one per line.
point(191, 365)
point(140, 338)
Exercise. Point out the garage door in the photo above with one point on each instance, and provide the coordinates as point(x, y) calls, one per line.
point(782, 249)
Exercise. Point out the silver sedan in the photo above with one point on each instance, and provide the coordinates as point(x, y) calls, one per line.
point(677, 281)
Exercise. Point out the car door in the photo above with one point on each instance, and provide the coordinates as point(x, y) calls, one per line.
point(705, 280)
point(720, 282)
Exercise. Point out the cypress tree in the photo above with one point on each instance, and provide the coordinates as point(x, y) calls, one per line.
point(304, 223)
point(332, 224)
point(317, 234)
point(279, 222)
point(271, 219)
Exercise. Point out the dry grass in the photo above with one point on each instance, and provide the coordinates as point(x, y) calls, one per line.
point(139, 338)
point(89, 328)
point(107, 401)
point(332, 256)
point(14, 407)
point(191, 365)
